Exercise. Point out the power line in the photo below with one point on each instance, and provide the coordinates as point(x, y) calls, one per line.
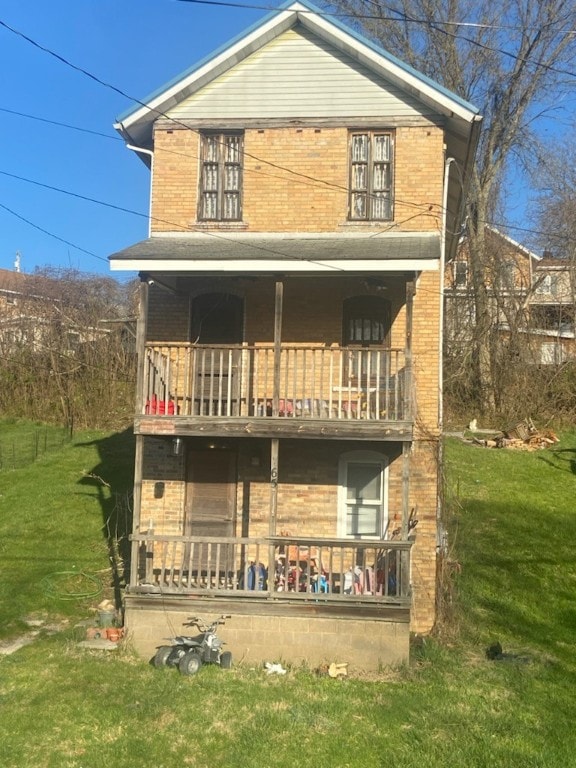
point(77, 195)
point(50, 234)
point(59, 124)
point(311, 181)
point(174, 121)
point(401, 16)
point(66, 62)
point(215, 235)
point(343, 15)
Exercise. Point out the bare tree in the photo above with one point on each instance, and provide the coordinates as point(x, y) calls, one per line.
point(512, 59)
point(67, 350)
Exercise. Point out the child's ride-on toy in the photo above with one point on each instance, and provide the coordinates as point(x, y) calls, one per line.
point(189, 653)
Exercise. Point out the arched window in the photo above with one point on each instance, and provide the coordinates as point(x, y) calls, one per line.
point(366, 322)
point(363, 495)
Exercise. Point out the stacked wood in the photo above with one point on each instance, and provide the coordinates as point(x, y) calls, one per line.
point(523, 436)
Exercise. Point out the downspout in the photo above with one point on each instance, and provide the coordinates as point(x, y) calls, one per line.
point(150, 153)
point(447, 164)
point(440, 533)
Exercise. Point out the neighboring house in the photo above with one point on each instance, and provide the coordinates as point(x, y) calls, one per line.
point(34, 315)
point(287, 418)
point(552, 310)
point(508, 276)
point(26, 306)
point(528, 295)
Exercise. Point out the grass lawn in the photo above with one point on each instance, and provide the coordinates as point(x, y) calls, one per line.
point(511, 524)
point(22, 442)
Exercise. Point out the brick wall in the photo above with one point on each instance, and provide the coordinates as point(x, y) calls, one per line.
point(311, 196)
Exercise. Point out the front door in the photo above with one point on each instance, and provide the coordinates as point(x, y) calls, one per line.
point(210, 493)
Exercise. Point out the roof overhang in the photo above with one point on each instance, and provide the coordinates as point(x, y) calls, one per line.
point(281, 253)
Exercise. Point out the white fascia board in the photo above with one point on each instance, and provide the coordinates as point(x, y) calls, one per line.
point(275, 265)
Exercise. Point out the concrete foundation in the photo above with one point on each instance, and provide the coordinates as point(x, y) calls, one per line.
point(261, 631)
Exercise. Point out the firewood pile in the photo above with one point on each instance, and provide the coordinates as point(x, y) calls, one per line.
point(523, 436)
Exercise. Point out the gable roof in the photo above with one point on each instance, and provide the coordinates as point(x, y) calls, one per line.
point(460, 119)
point(498, 239)
point(135, 125)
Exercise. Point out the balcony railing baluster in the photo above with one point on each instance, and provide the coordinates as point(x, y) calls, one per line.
point(225, 381)
point(302, 569)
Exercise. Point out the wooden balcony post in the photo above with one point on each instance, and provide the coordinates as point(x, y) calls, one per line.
point(141, 328)
point(405, 489)
point(274, 444)
point(277, 346)
point(407, 404)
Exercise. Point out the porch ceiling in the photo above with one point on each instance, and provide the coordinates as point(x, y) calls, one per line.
point(281, 252)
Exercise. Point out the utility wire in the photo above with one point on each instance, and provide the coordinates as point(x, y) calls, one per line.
point(105, 84)
point(425, 206)
point(59, 124)
point(402, 17)
point(215, 235)
point(50, 234)
point(311, 182)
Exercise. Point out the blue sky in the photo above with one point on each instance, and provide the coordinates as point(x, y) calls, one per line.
point(135, 45)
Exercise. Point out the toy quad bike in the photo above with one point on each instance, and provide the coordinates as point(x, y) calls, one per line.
point(189, 653)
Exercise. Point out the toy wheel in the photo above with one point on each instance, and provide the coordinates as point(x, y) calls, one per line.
point(177, 652)
point(162, 655)
point(190, 663)
point(226, 660)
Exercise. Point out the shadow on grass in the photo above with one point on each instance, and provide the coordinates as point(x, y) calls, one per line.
point(563, 459)
point(113, 478)
point(517, 570)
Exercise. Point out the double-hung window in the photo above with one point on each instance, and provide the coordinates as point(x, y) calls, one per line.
point(220, 196)
point(363, 479)
point(371, 176)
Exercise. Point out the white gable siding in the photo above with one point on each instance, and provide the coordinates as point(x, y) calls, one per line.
point(297, 75)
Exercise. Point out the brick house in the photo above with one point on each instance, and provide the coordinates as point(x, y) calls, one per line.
point(528, 295)
point(509, 279)
point(287, 415)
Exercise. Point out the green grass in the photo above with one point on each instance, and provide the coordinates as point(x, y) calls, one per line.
point(22, 442)
point(55, 516)
point(511, 521)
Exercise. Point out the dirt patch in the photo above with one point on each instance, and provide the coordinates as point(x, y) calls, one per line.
point(38, 626)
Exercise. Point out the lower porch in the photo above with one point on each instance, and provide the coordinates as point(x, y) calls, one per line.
point(294, 600)
point(273, 568)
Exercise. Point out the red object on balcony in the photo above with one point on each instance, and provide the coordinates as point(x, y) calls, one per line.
point(157, 407)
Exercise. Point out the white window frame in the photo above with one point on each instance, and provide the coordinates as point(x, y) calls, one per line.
point(545, 287)
point(381, 504)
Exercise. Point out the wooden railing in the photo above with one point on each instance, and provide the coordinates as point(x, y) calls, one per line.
point(301, 382)
point(276, 568)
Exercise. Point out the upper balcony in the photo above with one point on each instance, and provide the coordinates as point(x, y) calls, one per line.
point(288, 390)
